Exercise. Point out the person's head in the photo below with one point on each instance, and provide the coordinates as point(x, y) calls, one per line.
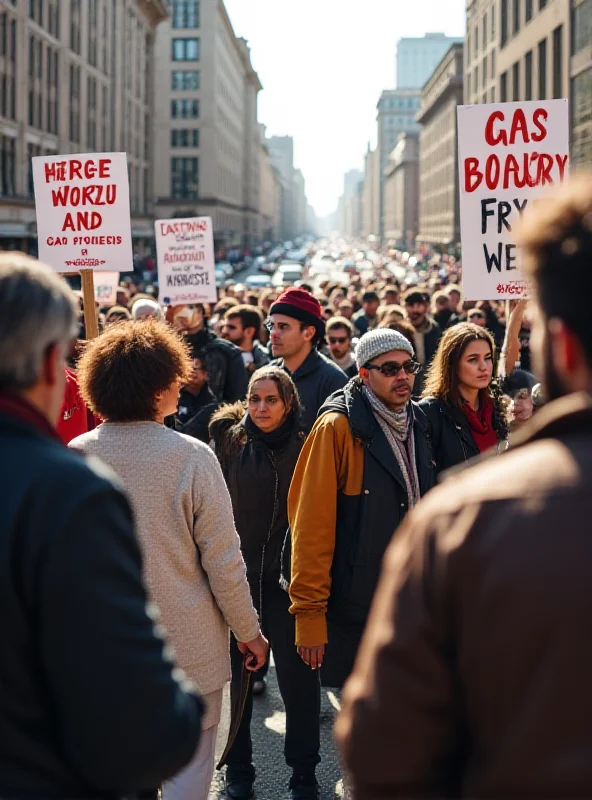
point(117, 314)
point(266, 299)
point(386, 365)
point(403, 326)
point(416, 306)
point(328, 312)
point(199, 374)
point(440, 302)
point(295, 323)
point(133, 373)
point(390, 295)
point(146, 309)
point(370, 303)
point(454, 295)
point(518, 387)
point(345, 309)
point(187, 319)
point(478, 317)
point(252, 299)
point(463, 363)
point(271, 398)
point(240, 291)
point(241, 326)
point(123, 296)
point(38, 325)
point(340, 333)
point(388, 314)
point(556, 241)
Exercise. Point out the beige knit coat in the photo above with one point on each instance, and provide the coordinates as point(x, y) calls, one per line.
point(193, 565)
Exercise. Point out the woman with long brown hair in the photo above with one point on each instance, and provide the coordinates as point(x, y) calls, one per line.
point(467, 413)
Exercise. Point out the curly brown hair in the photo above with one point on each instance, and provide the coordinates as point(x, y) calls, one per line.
point(124, 369)
point(442, 375)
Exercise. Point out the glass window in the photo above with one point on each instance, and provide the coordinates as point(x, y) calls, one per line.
point(7, 166)
point(184, 178)
point(493, 9)
point(185, 49)
point(484, 71)
point(484, 36)
point(504, 87)
point(542, 4)
point(528, 76)
point(528, 10)
point(185, 109)
point(581, 26)
point(504, 22)
point(581, 105)
point(185, 80)
point(185, 13)
point(185, 137)
point(558, 62)
point(542, 69)
point(516, 26)
point(516, 81)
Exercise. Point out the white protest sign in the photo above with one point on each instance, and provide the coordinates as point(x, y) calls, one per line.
point(106, 286)
point(83, 212)
point(186, 263)
point(508, 153)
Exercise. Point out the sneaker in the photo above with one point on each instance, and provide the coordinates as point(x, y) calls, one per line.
point(304, 787)
point(259, 687)
point(241, 789)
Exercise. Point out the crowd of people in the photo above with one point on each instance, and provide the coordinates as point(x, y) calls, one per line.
point(235, 475)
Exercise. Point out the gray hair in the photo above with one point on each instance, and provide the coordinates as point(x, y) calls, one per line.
point(37, 310)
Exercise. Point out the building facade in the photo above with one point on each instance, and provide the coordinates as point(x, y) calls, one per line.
point(270, 194)
point(401, 193)
point(75, 76)
point(397, 109)
point(417, 58)
point(439, 215)
point(206, 140)
point(371, 199)
point(481, 52)
point(581, 83)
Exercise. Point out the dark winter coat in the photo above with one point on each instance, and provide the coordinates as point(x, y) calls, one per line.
point(194, 413)
point(82, 674)
point(227, 377)
point(316, 378)
point(258, 475)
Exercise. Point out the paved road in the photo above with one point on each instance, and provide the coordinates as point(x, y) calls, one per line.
point(267, 729)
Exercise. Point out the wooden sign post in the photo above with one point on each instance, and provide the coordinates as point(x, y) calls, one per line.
point(88, 296)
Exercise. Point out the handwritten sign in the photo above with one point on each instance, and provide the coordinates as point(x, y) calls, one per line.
point(83, 212)
point(186, 264)
point(508, 154)
point(106, 286)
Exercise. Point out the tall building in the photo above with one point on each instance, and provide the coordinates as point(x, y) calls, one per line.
point(206, 141)
point(75, 76)
point(439, 214)
point(481, 51)
point(581, 82)
point(396, 115)
point(417, 58)
point(270, 194)
point(401, 193)
point(294, 203)
point(371, 198)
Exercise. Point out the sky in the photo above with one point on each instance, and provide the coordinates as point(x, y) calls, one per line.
point(323, 65)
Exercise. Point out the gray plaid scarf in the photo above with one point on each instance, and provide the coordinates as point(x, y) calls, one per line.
point(397, 426)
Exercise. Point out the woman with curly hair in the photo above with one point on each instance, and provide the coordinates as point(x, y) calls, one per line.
point(130, 377)
point(467, 412)
point(258, 449)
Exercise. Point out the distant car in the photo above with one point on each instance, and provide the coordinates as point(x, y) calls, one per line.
point(288, 273)
point(226, 268)
point(257, 281)
point(297, 255)
point(220, 278)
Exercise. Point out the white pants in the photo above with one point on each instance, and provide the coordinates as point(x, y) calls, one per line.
point(195, 780)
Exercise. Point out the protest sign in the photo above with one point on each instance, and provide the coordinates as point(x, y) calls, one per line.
point(83, 212)
point(106, 285)
point(508, 153)
point(186, 263)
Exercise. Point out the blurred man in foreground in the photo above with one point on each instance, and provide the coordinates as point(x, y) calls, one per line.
point(473, 675)
point(89, 705)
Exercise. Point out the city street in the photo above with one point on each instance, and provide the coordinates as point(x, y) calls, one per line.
point(268, 729)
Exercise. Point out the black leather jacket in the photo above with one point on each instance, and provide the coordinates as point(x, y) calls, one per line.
point(82, 674)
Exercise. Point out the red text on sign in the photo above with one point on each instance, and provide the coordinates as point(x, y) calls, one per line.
point(495, 135)
point(75, 169)
point(509, 172)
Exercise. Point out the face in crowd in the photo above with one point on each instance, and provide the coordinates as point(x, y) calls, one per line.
point(266, 407)
point(417, 312)
point(233, 330)
point(198, 377)
point(475, 367)
point(477, 317)
point(339, 342)
point(391, 377)
point(522, 406)
point(289, 337)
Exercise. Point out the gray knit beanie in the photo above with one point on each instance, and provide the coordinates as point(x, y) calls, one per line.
point(379, 341)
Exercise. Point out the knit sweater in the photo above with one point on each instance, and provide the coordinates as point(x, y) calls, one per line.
point(193, 565)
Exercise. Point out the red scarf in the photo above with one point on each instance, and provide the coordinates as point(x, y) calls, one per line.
point(17, 407)
point(481, 425)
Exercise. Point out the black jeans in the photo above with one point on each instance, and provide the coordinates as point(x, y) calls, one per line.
point(299, 686)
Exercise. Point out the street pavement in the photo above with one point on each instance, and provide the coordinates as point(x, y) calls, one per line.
point(268, 730)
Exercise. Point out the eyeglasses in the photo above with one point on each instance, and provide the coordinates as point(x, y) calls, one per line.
point(477, 316)
point(391, 368)
point(337, 339)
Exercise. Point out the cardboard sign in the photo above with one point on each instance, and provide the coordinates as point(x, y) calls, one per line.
point(508, 154)
point(186, 263)
point(83, 212)
point(106, 286)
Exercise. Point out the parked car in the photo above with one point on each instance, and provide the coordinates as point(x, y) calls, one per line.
point(257, 281)
point(226, 268)
point(287, 273)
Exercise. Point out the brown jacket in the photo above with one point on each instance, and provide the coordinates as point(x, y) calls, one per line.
point(473, 679)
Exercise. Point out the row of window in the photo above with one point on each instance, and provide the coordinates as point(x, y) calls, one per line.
point(184, 178)
point(518, 13)
point(184, 109)
point(185, 49)
point(184, 80)
point(184, 13)
point(541, 76)
point(185, 137)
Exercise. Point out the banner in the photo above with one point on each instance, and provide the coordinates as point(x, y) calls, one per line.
point(83, 212)
point(186, 263)
point(508, 153)
point(106, 286)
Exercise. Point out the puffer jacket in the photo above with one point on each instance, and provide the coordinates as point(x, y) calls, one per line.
point(258, 477)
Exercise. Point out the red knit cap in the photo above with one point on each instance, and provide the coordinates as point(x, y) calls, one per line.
point(301, 305)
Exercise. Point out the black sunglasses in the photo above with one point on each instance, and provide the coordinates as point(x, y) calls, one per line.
point(338, 339)
point(391, 368)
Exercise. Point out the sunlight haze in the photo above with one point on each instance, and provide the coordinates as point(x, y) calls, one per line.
point(323, 65)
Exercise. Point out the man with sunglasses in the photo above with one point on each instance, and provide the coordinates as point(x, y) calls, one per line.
point(365, 464)
point(340, 332)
